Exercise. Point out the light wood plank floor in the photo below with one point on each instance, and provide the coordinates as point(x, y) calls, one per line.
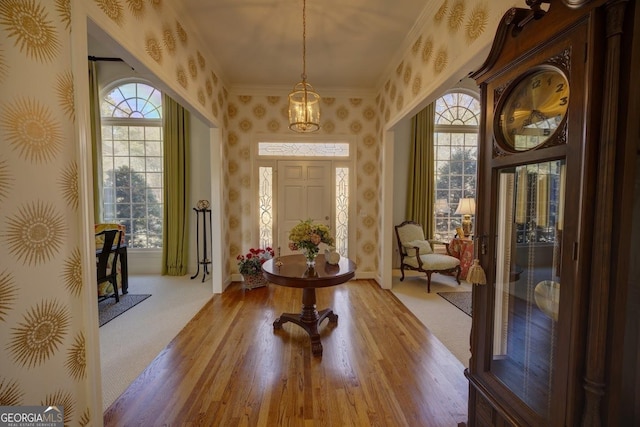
point(228, 367)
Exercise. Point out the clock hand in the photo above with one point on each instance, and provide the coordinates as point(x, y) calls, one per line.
point(535, 117)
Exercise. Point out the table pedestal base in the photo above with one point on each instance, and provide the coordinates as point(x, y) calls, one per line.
point(309, 319)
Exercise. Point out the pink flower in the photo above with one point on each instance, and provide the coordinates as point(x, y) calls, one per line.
point(316, 239)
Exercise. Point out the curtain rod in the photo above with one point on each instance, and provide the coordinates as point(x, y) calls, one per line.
point(101, 58)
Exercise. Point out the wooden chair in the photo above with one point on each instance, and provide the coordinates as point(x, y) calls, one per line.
point(416, 253)
point(107, 261)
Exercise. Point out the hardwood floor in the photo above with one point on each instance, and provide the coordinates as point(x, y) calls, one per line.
point(228, 367)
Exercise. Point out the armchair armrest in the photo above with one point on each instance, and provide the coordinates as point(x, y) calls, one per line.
point(440, 242)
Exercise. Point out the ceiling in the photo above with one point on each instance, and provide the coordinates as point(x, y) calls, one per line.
point(351, 44)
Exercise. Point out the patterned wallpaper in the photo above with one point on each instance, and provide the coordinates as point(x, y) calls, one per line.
point(457, 30)
point(444, 46)
point(43, 339)
point(253, 115)
point(43, 350)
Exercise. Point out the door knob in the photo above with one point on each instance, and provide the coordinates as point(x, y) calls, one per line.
point(326, 217)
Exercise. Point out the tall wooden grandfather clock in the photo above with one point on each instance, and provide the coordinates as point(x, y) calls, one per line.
point(548, 338)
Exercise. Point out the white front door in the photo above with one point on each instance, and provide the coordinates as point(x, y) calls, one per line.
point(304, 191)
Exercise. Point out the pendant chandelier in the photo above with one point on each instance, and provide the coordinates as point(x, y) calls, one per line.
point(304, 102)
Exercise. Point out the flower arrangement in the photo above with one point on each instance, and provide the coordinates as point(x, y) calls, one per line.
point(306, 236)
point(251, 263)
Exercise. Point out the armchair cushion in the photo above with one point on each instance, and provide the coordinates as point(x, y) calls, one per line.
point(424, 247)
point(433, 262)
point(109, 226)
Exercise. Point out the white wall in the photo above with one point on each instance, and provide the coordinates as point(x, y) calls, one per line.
point(401, 157)
point(200, 176)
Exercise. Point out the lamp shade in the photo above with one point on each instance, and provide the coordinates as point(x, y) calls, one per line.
point(441, 206)
point(466, 206)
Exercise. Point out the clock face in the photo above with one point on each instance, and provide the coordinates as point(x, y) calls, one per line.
point(534, 109)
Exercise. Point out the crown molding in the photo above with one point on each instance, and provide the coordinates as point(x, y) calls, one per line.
point(416, 30)
point(281, 90)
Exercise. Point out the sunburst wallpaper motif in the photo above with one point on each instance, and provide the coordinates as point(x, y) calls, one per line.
point(456, 15)
point(169, 40)
point(35, 234)
point(64, 399)
point(10, 393)
point(8, 294)
point(441, 60)
point(154, 49)
point(31, 130)
point(63, 7)
point(477, 22)
point(68, 183)
point(3, 65)
point(181, 77)
point(72, 273)
point(182, 34)
point(29, 25)
point(85, 418)
point(64, 88)
point(40, 334)
point(76, 358)
point(442, 11)
point(136, 7)
point(113, 9)
point(5, 181)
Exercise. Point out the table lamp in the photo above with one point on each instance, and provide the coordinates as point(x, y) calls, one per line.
point(466, 208)
point(441, 206)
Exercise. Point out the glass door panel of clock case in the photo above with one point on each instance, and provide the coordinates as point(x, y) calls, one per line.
point(527, 280)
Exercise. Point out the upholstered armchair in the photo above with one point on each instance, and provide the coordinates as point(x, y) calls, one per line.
point(416, 253)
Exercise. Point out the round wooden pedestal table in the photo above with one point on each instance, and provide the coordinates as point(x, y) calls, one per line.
point(292, 271)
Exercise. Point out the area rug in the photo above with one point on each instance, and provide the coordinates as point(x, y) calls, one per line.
point(109, 309)
point(462, 300)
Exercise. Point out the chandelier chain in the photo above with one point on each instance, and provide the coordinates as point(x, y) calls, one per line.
point(304, 101)
point(304, 40)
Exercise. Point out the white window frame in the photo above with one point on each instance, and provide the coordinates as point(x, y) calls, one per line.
point(451, 219)
point(133, 122)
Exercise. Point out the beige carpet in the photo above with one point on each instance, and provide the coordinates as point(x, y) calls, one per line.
point(449, 324)
point(130, 342)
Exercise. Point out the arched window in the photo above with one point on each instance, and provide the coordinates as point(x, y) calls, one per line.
point(132, 161)
point(457, 117)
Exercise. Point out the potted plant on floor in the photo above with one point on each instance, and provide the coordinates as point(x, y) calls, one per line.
point(251, 266)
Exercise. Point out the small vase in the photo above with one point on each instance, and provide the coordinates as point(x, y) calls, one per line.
point(310, 256)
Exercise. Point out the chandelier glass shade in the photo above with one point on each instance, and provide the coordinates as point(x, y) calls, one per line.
point(304, 101)
point(304, 108)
